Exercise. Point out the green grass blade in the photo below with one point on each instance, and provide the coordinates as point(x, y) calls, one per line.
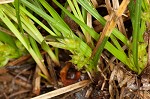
point(53, 22)
point(99, 51)
point(84, 14)
point(117, 53)
point(37, 21)
point(12, 27)
point(11, 13)
point(142, 30)
point(135, 10)
point(17, 8)
point(35, 47)
point(73, 8)
point(88, 6)
point(7, 39)
point(30, 29)
point(53, 13)
point(76, 11)
point(23, 40)
point(116, 43)
point(91, 31)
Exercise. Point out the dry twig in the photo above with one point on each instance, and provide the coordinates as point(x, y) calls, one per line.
point(63, 90)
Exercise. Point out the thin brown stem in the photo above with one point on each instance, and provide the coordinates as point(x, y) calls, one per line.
point(111, 23)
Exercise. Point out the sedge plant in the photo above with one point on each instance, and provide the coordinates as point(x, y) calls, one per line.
point(61, 36)
point(68, 40)
point(80, 49)
point(136, 59)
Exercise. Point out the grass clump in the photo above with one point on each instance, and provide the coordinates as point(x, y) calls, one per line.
point(85, 54)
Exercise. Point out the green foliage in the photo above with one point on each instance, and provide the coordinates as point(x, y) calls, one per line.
point(61, 36)
point(138, 59)
point(67, 39)
point(146, 10)
point(8, 52)
point(27, 26)
point(10, 48)
point(7, 39)
point(81, 52)
point(8, 17)
point(142, 58)
point(132, 59)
